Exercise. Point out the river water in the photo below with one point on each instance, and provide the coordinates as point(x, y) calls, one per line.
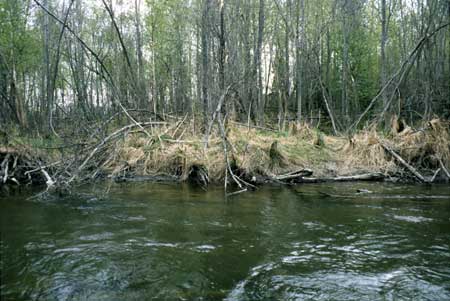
point(170, 242)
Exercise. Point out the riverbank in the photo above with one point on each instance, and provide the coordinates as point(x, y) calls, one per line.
point(236, 153)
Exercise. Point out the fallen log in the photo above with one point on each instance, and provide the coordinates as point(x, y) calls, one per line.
point(304, 176)
point(361, 177)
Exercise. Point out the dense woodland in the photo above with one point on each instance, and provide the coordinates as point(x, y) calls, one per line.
point(339, 64)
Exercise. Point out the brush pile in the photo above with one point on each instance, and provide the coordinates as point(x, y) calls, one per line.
point(18, 167)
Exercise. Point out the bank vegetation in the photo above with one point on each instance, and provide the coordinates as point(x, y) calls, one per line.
point(235, 92)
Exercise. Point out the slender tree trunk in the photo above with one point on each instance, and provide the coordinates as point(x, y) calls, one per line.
point(257, 64)
point(287, 81)
point(45, 89)
point(383, 65)
point(222, 54)
point(344, 85)
point(140, 60)
point(154, 83)
point(300, 14)
point(205, 61)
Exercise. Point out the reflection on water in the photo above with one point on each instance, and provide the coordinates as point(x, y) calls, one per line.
point(144, 241)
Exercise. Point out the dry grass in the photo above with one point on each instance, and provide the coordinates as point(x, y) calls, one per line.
point(426, 146)
point(363, 152)
point(422, 148)
point(260, 152)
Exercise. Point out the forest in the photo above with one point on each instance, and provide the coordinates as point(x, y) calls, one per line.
point(224, 89)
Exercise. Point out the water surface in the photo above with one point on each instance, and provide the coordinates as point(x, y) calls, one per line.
point(172, 242)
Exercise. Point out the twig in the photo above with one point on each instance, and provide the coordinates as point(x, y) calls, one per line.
point(254, 126)
point(42, 167)
point(179, 124)
point(236, 192)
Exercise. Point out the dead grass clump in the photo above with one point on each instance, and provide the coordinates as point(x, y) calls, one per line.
point(277, 158)
point(252, 160)
point(425, 147)
point(303, 131)
point(364, 152)
point(318, 139)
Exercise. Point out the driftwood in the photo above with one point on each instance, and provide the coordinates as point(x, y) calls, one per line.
point(49, 180)
point(404, 163)
point(298, 174)
point(292, 177)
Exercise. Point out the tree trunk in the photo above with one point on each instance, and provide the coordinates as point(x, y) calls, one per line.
point(140, 60)
point(383, 64)
point(300, 14)
point(257, 64)
point(222, 53)
point(205, 63)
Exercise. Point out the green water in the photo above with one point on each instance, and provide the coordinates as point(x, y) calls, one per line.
point(172, 242)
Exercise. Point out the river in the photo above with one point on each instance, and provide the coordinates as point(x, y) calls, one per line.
point(175, 242)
